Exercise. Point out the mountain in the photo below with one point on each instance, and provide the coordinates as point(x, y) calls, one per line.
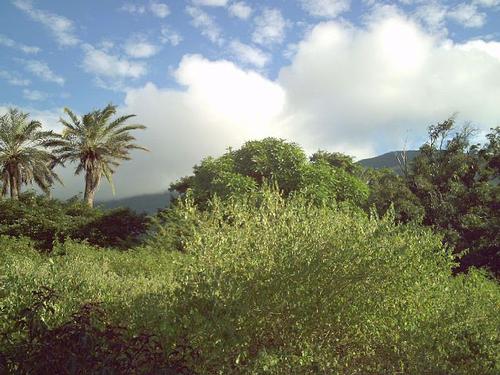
point(147, 203)
point(388, 160)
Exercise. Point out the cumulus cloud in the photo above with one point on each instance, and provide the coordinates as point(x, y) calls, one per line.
point(211, 3)
point(351, 87)
point(433, 15)
point(172, 37)
point(139, 47)
point(7, 42)
point(61, 27)
point(468, 15)
point(14, 79)
point(160, 10)
point(34, 95)
point(107, 65)
point(487, 3)
point(240, 9)
point(42, 71)
point(206, 24)
point(325, 8)
point(157, 9)
point(270, 27)
point(247, 54)
point(220, 105)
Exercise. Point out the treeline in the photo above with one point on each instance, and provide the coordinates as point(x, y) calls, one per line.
point(451, 186)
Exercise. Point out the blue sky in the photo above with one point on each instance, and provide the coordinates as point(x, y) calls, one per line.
point(362, 77)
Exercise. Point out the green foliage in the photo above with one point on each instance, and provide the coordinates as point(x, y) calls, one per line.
point(287, 287)
point(88, 343)
point(387, 190)
point(48, 222)
point(326, 184)
point(97, 145)
point(25, 157)
point(457, 184)
point(327, 178)
point(276, 285)
point(337, 160)
point(272, 160)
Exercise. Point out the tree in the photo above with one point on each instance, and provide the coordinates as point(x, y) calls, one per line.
point(387, 190)
point(273, 160)
point(456, 182)
point(337, 160)
point(97, 144)
point(237, 172)
point(25, 156)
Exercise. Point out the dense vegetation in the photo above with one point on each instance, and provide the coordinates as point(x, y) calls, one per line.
point(269, 262)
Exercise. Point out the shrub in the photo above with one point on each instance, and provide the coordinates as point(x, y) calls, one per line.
point(48, 221)
point(276, 285)
point(281, 286)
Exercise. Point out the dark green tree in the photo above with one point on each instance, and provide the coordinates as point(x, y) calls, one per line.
point(456, 182)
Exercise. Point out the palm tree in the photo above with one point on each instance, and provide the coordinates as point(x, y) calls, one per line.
point(24, 153)
point(97, 145)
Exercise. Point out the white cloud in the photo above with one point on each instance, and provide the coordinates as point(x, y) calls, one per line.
point(433, 15)
point(248, 54)
point(133, 8)
point(139, 47)
point(42, 71)
point(207, 25)
point(60, 26)
point(270, 27)
point(14, 79)
point(468, 15)
point(490, 48)
point(240, 9)
point(160, 10)
point(157, 9)
point(353, 87)
point(34, 95)
point(211, 3)
point(7, 42)
point(104, 64)
point(221, 104)
point(167, 35)
point(487, 3)
point(325, 8)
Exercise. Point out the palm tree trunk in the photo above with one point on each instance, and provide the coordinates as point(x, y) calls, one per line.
point(14, 189)
point(91, 184)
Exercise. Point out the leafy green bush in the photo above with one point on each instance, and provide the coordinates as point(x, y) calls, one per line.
point(282, 286)
point(327, 178)
point(278, 286)
point(48, 221)
point(86, 344)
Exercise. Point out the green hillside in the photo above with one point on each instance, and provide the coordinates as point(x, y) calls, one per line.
point(147, 203)
point(387, 160)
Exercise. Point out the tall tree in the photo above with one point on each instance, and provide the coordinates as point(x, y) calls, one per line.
point(456, 183)
point(97, 144)
point(25, 156)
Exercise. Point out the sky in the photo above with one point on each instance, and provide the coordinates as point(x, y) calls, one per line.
point(359, 77)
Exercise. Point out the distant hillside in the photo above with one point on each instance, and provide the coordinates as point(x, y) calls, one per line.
point(148, 203)
point(388, 160)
